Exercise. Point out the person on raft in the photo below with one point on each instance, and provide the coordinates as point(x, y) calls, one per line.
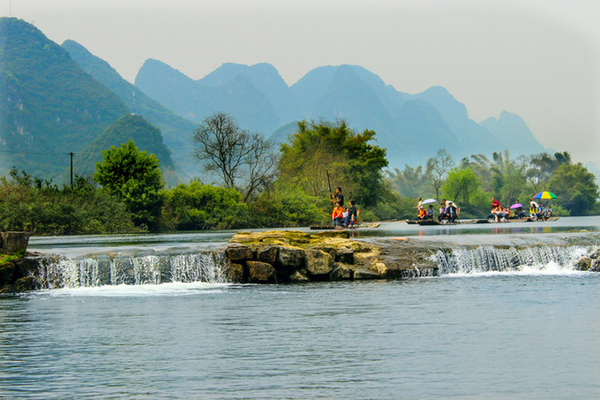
point(338, 197)
point(336, 215)
point(352, 217)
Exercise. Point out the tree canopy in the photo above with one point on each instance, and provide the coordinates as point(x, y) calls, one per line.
point(350, 159)
point(135, 178)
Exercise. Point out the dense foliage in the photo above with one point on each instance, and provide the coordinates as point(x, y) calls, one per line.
point(322, 153)
point(39, 207)
point(199, 206)
point(476, 179)
point(134, 177)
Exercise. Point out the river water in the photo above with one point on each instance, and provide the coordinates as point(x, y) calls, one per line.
point(514, 331)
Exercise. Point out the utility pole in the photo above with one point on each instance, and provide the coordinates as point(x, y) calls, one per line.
point(71, 154)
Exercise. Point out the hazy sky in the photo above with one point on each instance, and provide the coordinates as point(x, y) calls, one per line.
point(539, 59)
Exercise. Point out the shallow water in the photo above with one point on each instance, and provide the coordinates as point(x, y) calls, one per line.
point(526, 335)
point(528, 331)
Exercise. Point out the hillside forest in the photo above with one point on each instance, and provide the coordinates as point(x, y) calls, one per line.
point(261, 185)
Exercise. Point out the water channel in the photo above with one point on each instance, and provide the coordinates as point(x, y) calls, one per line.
point(508, 317)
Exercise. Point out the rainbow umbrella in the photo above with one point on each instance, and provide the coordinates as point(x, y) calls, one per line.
point(545, 196)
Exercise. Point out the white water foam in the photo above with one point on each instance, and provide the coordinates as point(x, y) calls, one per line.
point(104, 270)
point(165, 289)
point(491, 261)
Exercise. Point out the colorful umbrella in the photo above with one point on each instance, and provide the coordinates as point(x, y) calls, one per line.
point(429, 201)
point(545, 196)
point(516, 205)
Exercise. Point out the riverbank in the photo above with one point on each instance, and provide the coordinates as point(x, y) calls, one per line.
point(16, 270)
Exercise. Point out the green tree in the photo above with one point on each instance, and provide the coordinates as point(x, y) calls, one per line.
point(575, 187)
point(463, 187)
point(410, 182)
point(134, 177)
point(199, 206)
point(349, 157)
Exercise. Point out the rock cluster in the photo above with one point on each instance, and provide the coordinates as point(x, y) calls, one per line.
point(16, 270)
point(591, 263)
point(291, 256)
point(13, 242)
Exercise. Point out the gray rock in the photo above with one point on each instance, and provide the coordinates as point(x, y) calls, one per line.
point(583, 264)
point(318, 262)
point(362, 274)
point(267, 254)
point(13, 242)
point(261, 272)
point(344, 255)
point(298, 277)
point(291, 256)
point(234, 272)
point(238, 252)
point(341, 272)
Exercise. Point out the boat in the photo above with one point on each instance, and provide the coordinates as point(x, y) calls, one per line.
point(358, 226)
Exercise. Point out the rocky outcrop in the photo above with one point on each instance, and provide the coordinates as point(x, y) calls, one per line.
point(14, 242)
point(295, 257)
point(16, 271)
point(17, 274)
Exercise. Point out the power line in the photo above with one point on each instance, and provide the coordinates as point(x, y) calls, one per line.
point(30, 152)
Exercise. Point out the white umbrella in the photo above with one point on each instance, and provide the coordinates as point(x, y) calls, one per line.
point(429, 201)
point(448, 202)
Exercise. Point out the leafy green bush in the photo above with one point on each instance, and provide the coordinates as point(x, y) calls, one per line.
point(199, 206)
point(38, 207)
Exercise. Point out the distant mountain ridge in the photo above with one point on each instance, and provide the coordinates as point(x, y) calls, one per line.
point(177, 132)
point(55, 100)
point(411, 127)
point(129, 127)
point(48, 105)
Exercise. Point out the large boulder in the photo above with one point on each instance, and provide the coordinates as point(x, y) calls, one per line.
point(341, 272)
point(291, 256)
point(267, 253)
point(238, 252)
point(583, 264)
point(234, 272)
point(361, 274)
point(318, 262)
point(14, 242)
point(298, 277)
point(261, 272)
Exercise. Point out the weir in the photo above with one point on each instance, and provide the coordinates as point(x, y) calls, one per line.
point(100, 270)
point(494, 259)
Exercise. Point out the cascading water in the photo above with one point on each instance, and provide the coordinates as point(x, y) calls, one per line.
point(493, 259)
point(100, 270)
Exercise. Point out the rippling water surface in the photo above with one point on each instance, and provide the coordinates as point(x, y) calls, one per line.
point(526, 335)
point(478, 331)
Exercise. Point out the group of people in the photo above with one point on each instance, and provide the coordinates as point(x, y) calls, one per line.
point(499, 213)
point(538, 211)
point(343, 217)
point(448, 211)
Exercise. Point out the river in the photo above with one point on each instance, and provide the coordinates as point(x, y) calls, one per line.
point(527, 331)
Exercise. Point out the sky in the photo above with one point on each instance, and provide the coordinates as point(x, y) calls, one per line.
point(539, 59)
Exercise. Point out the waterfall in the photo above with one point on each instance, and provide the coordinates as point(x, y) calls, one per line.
point(100, 270)
point(493, 259)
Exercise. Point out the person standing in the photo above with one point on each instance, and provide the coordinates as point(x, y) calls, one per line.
point(338, 197)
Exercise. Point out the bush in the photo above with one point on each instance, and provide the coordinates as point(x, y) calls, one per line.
point(199, 206)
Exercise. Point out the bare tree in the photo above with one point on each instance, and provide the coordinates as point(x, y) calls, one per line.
point(243, 161)
point(438, 168)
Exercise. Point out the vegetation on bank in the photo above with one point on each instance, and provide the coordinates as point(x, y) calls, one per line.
point(262, 187)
